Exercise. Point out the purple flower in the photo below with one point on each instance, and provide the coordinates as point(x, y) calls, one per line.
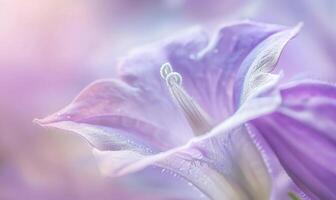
point(186, 104)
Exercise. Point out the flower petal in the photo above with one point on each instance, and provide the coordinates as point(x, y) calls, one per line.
point(302, 134)
point(255, 70)
point(281, 183)
point(109, 112)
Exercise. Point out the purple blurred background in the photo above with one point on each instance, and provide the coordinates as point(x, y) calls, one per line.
point(51, 49)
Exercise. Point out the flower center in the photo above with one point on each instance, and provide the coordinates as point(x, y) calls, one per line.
point(198, 119)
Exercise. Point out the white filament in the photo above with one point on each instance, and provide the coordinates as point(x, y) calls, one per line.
point(196, 117)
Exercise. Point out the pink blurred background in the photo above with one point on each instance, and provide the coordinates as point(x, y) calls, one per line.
point(51, 49)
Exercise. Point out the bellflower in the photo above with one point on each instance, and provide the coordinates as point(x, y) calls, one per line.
point(185, 105)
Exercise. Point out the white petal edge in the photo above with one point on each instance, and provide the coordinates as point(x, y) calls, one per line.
point(263, 59)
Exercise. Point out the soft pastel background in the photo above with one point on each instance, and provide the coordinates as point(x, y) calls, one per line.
point(51, 49)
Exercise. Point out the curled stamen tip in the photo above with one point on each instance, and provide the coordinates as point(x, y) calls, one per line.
point(174, 78)
point(165, 70)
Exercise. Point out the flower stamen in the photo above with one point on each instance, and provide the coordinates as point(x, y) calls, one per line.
point(196, 117)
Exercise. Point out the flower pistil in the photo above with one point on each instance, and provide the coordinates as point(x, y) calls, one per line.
point(198, 119)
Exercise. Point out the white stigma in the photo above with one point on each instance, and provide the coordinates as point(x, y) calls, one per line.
point(196, 117)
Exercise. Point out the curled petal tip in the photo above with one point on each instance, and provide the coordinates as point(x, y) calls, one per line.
point(297, 28)
point(52, 119)
point(37, 121)
point(300, 25)
point(42, 122)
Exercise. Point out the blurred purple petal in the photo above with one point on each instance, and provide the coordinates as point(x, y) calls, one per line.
point(302, 134)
